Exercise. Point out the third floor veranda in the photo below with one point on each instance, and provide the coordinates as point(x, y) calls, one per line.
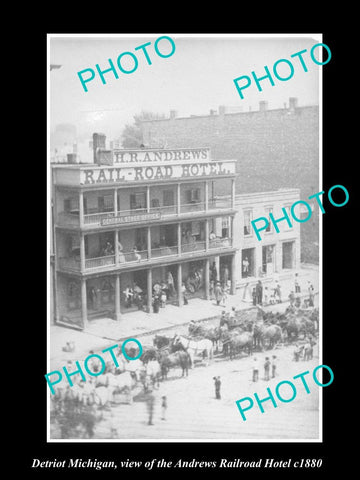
point(142, 204)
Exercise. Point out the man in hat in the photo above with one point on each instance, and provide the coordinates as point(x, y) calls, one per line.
point(217, 382)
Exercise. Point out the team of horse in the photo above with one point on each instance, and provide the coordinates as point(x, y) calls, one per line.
point(236, 335)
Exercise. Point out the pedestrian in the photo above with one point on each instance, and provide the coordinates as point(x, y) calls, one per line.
point(225, 291)
point(255, 369)
point(150, 405)
point(163, 407)
point(292, 298)
point(217, 382)
point(245, 265)
point(137, 254)
point(311, 294)
point(254, 295)
point(211, 289)
point(170, 282)
point(267, 369)
point(184, 294)
point(128, 292)
point(225, 275)
point(266, 296)
point(259, 292)
point(218, 293)
point(273, 366)
point(213, 272)
point(297, 284)
point(278, 292)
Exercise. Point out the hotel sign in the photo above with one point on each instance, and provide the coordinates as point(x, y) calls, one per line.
point(163, 155)
point(106, 175)
point(131, 218)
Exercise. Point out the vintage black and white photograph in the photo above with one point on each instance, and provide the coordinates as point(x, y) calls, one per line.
point(184, 235)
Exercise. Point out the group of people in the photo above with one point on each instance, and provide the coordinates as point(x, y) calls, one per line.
point(265, 295)
point(267, 366)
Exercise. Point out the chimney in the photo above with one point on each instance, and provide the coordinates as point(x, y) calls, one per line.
point(71, 158)
point(263, 106)
point(173, 114)
point(99, 141)
point(293, 104)
point(212, 112)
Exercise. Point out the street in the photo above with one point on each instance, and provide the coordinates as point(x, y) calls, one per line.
point(194, 413)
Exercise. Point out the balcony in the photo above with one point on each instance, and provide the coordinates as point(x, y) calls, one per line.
point(143, 215)
point(128, 259)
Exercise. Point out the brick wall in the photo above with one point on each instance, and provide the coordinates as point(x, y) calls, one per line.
point(273, 148)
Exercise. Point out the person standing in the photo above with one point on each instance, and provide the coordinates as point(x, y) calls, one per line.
point(218, 293)
point(273, 366)
point(163, 407)
point(170, 282)
point(267, 369)
point(150, 405)
point(245, 265)
point(259, 292)
point(255, 370)
point(297, 284)
point(217, 382)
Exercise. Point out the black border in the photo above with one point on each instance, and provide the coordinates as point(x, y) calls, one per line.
point(339, 118)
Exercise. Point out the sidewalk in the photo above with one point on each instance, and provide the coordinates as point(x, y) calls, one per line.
point(105, 332)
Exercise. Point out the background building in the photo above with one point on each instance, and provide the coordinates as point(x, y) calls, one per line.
point(274, 149)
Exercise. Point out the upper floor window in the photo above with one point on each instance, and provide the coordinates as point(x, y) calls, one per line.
point(247, 221)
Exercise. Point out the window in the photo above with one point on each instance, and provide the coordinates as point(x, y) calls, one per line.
point(225, 227)
point(193, 195)
point(268, 210)
point(71, 205)
point(247, 221)
point(138, 201)
point(168, 198)
point(106, 203)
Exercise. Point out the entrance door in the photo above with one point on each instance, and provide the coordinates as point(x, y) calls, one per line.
point(287, 254)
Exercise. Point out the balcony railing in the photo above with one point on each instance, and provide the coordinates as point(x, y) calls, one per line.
point(134, 215)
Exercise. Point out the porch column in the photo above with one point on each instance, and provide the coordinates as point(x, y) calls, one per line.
point(149, 242)
point(82, 252)
point(117, 297)
point(179, 282)
point(233, 193)
point(179, 238)
point(149, 289)
point(231, 231)
point(116, 248)
point(115, 202)
point(148, 198)
point(81, 209)
point(178, 199)
point(206, 196)
point(233, 274)
point(84, 303)
point(207, 278)
point(206, 234)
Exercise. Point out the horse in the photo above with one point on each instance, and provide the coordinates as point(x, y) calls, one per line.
point(271, 334)
point(152, 373)
point(200, 347)
point(238, 341)
point(209, 332)
point(181, 358)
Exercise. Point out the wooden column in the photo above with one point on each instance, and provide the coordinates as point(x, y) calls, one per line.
point(233, 274)
point(84, 303)
point(117, 297)
point(179, 238)
point(206, 196)
point(178, 199)
point(81, 208)
point(233, 193)
point(179, 282)
point(149, 290)
point(82, 252)
point(149, 242)
point(206, 234)
point(207, 278)
point(115, 202)
point(148, 199)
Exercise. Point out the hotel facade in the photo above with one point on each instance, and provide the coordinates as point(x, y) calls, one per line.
point(132, 219)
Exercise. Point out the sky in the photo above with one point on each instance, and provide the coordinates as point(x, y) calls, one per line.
point(196, 78)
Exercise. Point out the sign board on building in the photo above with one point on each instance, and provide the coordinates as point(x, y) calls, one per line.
point(130, 218)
